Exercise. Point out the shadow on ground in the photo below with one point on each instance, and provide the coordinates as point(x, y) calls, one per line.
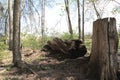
point(50, 69)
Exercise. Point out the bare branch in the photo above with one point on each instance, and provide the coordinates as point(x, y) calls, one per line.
point(116, 2)
point(97, 13)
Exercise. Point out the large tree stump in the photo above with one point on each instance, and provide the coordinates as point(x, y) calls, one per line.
point(103, 61)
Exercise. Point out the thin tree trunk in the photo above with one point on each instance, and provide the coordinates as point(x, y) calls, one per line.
point(79, 20)
point(10, 24)
point(16, 34)
point(103, 62)
point(6, 23)
point(97, 13)
point(83, 22)
point(68, 16)
point(6, 29)
point(1, 9)
point(43, 19)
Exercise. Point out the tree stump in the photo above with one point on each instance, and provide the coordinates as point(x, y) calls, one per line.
point(103, 60)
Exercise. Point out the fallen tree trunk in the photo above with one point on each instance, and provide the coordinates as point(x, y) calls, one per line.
point(66, 48)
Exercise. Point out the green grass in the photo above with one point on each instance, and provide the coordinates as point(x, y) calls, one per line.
point(88, 43)
point(66, 36)
point(4, 54)
point(31, 41)
point(119, 44)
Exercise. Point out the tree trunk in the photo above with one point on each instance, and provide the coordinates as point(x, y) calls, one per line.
point(43, 19)
point(6, 29)
point(10, 24)
point(68, 17)
point(16, 34)
point(6, 23)
point(1, 9)
point(79, 20)
point(103, 61)
point(83, 22)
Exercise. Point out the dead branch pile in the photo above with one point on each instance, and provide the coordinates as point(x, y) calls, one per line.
point(65, 48)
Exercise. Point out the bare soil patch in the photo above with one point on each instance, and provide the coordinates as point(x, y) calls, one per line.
point(42, 67)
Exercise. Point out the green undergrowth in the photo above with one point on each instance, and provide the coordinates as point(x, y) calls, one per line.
point(119, 45)
point(88, 44)
point(4, 54)
point(3, 44)
point(33, 42)
point(66, 36)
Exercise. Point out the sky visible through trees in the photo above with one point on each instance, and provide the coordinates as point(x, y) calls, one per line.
point(55, 15)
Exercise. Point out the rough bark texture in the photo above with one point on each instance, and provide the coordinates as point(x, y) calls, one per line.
point(79, 19)
point(103, 61)
point(66, 49)
point(10, 24)
point(83, 22)
point(16, 34)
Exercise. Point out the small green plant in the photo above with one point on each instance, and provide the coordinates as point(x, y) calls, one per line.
point(119, 39)
point(44, 67)
point(3, 38)
point(3, 46)
point(8, 68)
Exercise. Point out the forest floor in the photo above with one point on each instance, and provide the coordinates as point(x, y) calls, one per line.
point(42, 67)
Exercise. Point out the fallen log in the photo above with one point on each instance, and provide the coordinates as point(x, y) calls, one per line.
point(65, 48)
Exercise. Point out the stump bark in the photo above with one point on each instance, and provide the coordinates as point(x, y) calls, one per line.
point(103, 60)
